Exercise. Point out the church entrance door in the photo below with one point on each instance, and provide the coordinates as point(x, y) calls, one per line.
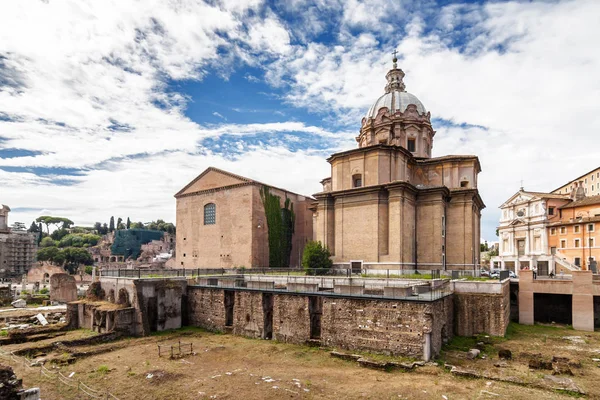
point(521, 247)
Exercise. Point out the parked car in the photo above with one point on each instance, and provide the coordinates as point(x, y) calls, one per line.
point(512, 275)
point(485, 272)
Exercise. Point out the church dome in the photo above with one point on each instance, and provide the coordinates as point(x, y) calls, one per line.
point(395, 100)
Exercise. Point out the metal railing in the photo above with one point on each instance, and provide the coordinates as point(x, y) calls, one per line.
point(347, 272)
point(384, 288)
point(58, 378)
point(175, 350)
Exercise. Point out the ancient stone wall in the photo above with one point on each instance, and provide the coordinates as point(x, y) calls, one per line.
point(482, 310)
point(377, 325)
point(63, 288)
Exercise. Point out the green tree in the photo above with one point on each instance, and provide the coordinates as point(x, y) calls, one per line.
point(58, 234)
point(111, 225)
point(316, 259)
point(47, 253)
point(47, 242)
point(104, 229)
point(33, 228)
point(49, 220)
point(120, 224)
point(74, 257)
point(128, 223)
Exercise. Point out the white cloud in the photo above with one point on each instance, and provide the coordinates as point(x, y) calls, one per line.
point(85, 84)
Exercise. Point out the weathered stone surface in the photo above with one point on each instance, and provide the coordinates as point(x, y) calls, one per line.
point(344, 356)
point(567, 384)
point(9, 384)
point(63, 288)
point(473, 353)
point(505, 354)
point(371, 364)
point(501, 364)
point(538, 363)
point(561, 369)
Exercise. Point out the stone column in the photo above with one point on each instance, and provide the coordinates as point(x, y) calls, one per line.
point(526, 297)
point(583, 301)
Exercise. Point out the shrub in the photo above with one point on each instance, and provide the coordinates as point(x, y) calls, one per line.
point(316, 259)
point(44, 291)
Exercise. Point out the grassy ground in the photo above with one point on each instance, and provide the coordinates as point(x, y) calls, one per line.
point(230, 367)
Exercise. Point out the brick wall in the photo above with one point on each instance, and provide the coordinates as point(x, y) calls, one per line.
point(382, 326)
point(482, 312)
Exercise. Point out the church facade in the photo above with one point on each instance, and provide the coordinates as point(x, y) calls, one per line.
point(388, 204)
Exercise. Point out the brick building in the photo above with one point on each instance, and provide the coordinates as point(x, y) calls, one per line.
point(221, 222)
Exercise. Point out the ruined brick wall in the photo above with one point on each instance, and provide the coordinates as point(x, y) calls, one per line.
point(389, 326)
point(63, 288)
point(482, 312)
point(248, 314)
point(206, 308)
point(291, 319)
point(384, 326)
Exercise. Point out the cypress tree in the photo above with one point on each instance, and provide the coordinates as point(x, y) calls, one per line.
point(111, 225)
point(128, 223)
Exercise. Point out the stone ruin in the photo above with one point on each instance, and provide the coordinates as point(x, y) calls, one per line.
point(63, 288)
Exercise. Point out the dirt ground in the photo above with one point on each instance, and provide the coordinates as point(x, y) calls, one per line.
point(230, 367)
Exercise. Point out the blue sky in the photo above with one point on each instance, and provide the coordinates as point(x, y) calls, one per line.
point(110, 107)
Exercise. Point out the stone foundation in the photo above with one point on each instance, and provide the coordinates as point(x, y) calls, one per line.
point(408, 328)
point(481, 307)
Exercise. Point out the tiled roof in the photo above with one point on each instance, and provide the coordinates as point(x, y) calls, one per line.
point(586, 201)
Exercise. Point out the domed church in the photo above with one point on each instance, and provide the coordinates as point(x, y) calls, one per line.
point(388, 204)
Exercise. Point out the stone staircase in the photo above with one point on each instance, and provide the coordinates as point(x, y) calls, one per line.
point(565, 264)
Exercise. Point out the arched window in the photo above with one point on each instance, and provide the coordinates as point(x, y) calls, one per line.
point(357, 180)
point(210, 214)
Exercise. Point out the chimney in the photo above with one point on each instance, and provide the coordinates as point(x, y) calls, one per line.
point(580, 192)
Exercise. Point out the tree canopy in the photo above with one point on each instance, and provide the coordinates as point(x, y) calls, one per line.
point(50, 220)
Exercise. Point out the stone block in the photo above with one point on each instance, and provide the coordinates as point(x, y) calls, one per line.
point(63, 288)
point(397, 291)
point(349, 289)
point(263, 285)
point(302, 287)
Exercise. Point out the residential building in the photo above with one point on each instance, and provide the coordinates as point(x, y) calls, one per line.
point(590, 182)
point(18, 249)
point(575, 235)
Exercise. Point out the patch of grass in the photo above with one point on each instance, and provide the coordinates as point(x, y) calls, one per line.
point(569, 393)
point(3, 333)
point(515, 330)
point(186, 330)
point(103, 369)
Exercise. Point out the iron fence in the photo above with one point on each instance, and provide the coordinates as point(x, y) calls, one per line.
point(175, 350)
